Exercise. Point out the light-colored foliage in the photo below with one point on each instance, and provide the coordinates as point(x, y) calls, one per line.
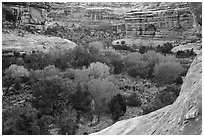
point(102, 91)
point(167, 72)
point(99, 70)
point(15, 71)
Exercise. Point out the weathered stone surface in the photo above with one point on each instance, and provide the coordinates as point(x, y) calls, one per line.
point(195, 46)
point(31, 42)
point(169, 20)
point(25, 14)
point(183, 117)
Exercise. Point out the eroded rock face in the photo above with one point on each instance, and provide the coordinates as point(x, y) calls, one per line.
point(183, 117)
point(31, 42)
point(164, 21)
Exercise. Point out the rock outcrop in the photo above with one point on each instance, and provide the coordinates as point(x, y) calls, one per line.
point(168, 20)
point(183, 117)
point(31, 42)
point(27, 15)
point(188, 46)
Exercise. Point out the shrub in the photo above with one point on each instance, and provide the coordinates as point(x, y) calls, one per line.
point(185, 54)
point(68, 73)
point(51, 94)
point(140, 69)
point(179, 80)
point(7, 61)
point(166, 98)
point(136, 66)
point(22, 121)
point(132, 59)
point(82, 56)
point(99, 70)
point(38, 60)
point(66, 121)
point(15, 71)
point(142, 64)
point(134, 100)
point(173, 88)
point(152, 106)
point(114, 60)
point(121, 47)
point(123, 42)
point(169, 58)
point(15, 75)
point(152, 58)
point(142, 49)
point(95, 70)
point(118, 65)
point(81, 100)
point(166, 48)
point(102, 91)
point(117, 106)
point(49, 71)
point(167, 72)
point(82, 75)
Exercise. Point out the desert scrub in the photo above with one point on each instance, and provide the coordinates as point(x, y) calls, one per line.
point(167, 72)
point(14, 76)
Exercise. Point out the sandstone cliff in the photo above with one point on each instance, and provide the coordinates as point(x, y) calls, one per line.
point(164, 20)
point(183, 117)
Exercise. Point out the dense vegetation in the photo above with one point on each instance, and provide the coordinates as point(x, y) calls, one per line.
point(66, 84)
point(57, 88)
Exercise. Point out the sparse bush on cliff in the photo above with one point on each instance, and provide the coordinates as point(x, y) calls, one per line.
point(172, 88)
point(152, 106)
point(167, 72)
point(179, 80)
point(166, 97)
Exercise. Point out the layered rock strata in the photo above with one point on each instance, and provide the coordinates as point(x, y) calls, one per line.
point(24, 15)
point(160, 22)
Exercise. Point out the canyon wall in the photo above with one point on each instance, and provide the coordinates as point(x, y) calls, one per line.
point(29, 15)
point(168, 20)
